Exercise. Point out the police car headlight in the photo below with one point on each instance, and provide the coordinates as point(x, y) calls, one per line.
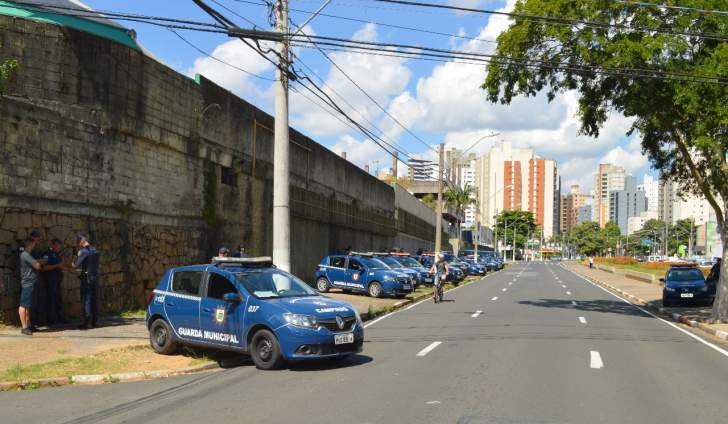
point(670, 289)
point(305, 321)
point(388, 278)
point(358, 318)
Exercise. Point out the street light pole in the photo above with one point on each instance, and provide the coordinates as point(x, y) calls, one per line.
point(438, 223)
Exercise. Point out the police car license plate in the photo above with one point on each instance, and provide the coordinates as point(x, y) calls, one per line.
point(686, 295)
point(428, 280)
point(406, 286)
point(343, 338)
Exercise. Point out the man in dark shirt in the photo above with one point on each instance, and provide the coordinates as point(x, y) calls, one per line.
point(29, 268)
point(87, 262)
point(241, 253)
point(52, 276)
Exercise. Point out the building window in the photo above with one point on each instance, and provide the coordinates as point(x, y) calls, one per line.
point(227, 176)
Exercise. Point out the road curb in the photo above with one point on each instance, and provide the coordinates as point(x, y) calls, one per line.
point(676, 317)
point(86, 379)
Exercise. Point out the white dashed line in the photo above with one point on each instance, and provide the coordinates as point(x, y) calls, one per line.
point(504, 289)
point(429, 348)
point(510, 284)
point(495, 298)
point(574, 303)
point(569, 293)
point(596, 360)
point(475, 315)
point(563, 286)
point(433, 402)
point(582, 320)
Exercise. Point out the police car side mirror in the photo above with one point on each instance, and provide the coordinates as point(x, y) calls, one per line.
point(232, 298)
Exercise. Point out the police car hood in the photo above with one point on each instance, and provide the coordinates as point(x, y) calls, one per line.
point(318, 306)
point(381, 273)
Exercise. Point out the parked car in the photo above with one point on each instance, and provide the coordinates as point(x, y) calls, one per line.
point(685, 284)
point(247, 305)
point(455, 275)
point(410, 262)
point(396, 265)
point(361, 273)
point(476, 267)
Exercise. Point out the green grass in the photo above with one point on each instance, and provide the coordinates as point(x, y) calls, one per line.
point(133, 313)
point(58, 368)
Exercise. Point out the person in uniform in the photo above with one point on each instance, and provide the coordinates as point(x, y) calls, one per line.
point(241, 253)
point(87, 262)
point(223, 252)
point(52, 277)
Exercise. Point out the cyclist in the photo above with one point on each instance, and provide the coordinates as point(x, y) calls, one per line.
point(440, 270)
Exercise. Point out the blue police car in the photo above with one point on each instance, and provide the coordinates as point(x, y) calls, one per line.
point(396, 264)
point(361, 273)
point(424, 276)
point(684, 283)
point(248, 305)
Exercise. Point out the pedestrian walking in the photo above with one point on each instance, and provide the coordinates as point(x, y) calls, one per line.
point(87, 262)
point(52, 278)
point(591, 262)
point(29, 267)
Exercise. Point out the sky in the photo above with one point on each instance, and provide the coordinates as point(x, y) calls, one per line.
point(438, 102)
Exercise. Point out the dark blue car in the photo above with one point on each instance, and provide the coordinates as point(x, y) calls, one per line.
point(247, 305)
point(455, 274)
point(361, 273)
point(684, 284)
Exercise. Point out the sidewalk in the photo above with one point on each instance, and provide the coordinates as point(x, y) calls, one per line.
point(650, 296)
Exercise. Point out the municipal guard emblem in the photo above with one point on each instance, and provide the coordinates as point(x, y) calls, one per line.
point(219, 315)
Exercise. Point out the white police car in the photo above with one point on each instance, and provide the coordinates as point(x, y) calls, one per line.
point(248, 305)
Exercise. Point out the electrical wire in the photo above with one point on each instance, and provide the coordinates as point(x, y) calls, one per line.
point(220, 60)
point(559, 21)
point(382, 108)
point(671, 7)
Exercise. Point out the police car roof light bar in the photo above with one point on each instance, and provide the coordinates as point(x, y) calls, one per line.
point(361, 254)
point(254, 261)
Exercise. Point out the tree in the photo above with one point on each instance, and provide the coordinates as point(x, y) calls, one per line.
point(520, 223)
point(665, 79)
point(430, 201)
point(611, 233)
point(7, 68)
point(588, 237)
point(460, 198)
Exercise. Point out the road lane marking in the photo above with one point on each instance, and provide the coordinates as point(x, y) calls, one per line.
point(701, 340)
point(429, 348)
point(582, 320)
point(574, 303)
point(596, 360)
point(475, 315)
point(510, 284)
point(433, 402)
point(495, 298)
point(564, 286)
point(505, 289)
point(569, 293)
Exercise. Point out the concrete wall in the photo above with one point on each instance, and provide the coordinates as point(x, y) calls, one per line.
point(158, 169)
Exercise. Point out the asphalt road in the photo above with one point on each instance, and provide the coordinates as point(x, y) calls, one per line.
point(531, 344)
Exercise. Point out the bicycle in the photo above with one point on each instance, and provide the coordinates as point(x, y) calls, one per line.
point(437, 292)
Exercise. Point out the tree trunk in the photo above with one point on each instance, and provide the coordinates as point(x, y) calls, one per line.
point(720, 306)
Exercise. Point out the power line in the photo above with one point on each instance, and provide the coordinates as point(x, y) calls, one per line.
point(236, 13)
point(218, 59)
point(671, 7)
point(559, 21)
point(414, 50)
point(383, 24)
point(382, 108)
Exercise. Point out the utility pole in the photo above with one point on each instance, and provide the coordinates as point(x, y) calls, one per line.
point(438, 223)
point(281, 159)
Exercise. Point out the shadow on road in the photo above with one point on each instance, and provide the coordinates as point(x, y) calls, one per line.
point(331, 364)
point(604, 306)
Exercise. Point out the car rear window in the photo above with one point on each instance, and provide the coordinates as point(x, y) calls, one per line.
point(187, 282)
point(687, 274)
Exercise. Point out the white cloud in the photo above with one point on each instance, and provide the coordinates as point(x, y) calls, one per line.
point(363, 152)
point(235, 52)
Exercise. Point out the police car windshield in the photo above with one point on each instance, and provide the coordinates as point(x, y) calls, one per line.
point(390, 261)
point(686, 274)
point(409, 262)
point(274, 284)
point(373, 263)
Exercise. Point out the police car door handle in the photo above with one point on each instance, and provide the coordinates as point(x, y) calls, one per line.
point(170, 303)
point(207, 309)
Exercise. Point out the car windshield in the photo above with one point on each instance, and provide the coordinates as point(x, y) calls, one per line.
point(372, 263)
point(687, 274)
point(409, 262)
point(391, 262)
point(274, 284)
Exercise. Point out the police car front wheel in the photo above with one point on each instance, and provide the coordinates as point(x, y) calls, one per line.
point(375, 289)
point(265, 351)
point(160, 336)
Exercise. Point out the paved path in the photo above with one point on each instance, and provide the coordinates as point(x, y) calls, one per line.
point(532, 344)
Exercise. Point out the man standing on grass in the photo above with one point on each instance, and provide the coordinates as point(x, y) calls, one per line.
point(29, 268)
